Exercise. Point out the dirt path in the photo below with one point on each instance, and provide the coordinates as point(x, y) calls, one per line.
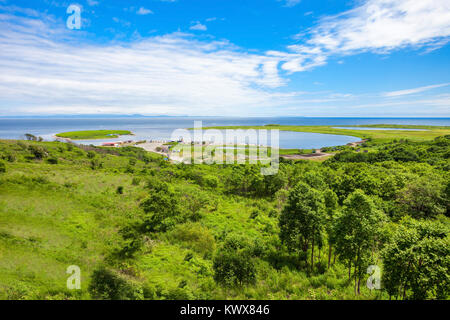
point(309, 156)
point(152, 146)
point(318, 154)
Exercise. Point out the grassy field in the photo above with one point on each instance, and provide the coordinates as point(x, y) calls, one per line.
point(93, 134)
point(56, 215)
point(63, 205)
point(376, 135)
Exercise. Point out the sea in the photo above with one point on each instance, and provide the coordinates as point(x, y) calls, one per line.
point(162, 128)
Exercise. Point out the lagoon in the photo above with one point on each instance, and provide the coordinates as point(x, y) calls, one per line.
point(161, 128)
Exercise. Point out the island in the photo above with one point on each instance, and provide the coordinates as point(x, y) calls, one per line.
point(93, 134)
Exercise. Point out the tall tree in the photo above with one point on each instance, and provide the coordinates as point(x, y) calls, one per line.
point(302, 219)
point(357, 230)
point(331, 205)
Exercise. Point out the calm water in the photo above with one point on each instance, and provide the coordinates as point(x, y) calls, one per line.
point(162, 127)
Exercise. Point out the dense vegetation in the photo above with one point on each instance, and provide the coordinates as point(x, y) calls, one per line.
point(140, 227)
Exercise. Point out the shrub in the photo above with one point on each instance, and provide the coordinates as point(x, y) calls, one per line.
point(10, 157)
point(132, 242)
point(234, 268)
point(119, 190)
point(38, 152)
point(52, 160)
point(2, 167)
point(422, 199)
point(210, 181)
point(136, 181)
point(129, 169)
point(162, 210)
point(109, 285)
point(91, 154)
point(96, 164)
point(194, 236)
point(234, 264)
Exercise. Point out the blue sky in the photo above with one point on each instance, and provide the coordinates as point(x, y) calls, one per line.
point(224, 57)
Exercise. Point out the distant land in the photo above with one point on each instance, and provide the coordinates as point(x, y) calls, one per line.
point(112, 116)
point(90, 116)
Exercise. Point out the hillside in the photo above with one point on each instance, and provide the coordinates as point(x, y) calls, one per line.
point(140, 227)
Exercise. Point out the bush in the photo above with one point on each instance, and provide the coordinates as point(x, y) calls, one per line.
point(96, 164)
point(119, 190)
point(422, 199)
point(194, 236)
point(108, 285)
point(132, 242)
point(234, 268)
point(91, 154)
point(210, 181)
point(234, 264)
point(10, 157)
point(162, 210)
point(38, 152)
point(52, 160)
point(2, 167)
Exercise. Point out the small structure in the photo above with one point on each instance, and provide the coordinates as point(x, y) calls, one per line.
point(111, 144)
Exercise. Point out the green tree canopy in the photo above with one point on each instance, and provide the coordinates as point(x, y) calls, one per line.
point(417, 261)
point(302, 219)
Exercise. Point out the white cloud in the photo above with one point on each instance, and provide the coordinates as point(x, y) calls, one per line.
point(92, 3)
point(379, 26)
point(292, 3)
point(45, 68)
point(198, 26)
point(122, 22)
point(413, 91)
point(39, 72)
point(143, 11)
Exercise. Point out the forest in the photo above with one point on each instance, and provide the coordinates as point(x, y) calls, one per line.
point(364, 224)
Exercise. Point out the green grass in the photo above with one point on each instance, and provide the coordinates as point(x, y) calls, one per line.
point(56, 215)
point(93, 134)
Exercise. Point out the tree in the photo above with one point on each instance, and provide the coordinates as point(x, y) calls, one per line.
point(422, 198)
point(274, 183)
point(132, 241)
point(30, 137)
point(234, 264)
point(356, 231)
point(416, 263)
point(331, 205)
point(162, 210)
point(302, 219)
